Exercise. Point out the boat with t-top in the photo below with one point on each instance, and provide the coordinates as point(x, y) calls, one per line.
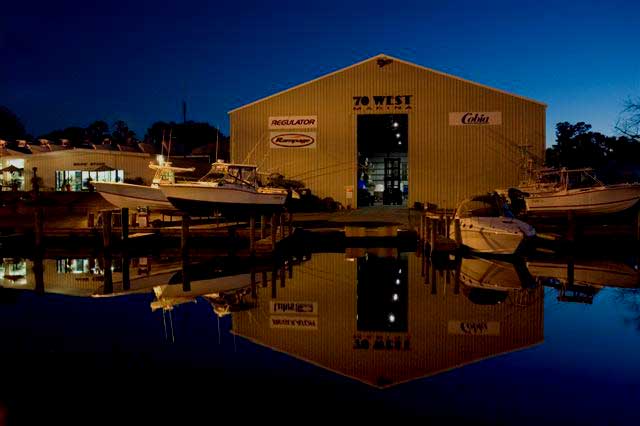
point(132, 196)
point(226, 187)
point(559, 191)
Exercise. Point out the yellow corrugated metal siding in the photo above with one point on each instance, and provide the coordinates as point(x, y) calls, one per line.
point(446, 163)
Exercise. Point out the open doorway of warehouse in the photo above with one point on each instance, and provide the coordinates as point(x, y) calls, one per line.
point(382, 159)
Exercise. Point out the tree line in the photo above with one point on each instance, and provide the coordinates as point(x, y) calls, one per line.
point(186, 138)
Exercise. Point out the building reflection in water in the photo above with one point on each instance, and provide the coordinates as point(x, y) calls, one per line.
point(375, 317)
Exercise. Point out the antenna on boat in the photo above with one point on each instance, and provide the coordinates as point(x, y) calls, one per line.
point(219, 337)
point(169, 148)
point(217, 137)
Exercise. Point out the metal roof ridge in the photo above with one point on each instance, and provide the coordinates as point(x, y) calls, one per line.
point(402, 61)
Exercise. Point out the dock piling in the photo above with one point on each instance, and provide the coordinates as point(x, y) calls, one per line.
point(274, 230)
point(124, 224)
point(184, 236)
point(457, 231)
point(263, 227)
point(106, 228)
point(38, 228)
point(252, 234)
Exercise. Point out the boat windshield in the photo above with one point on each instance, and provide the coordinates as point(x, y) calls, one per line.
point(231, 173)
point(485, 206)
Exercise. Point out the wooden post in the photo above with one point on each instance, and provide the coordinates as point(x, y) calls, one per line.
point(264, 279)
point(186, 281)
point(421, 228)
point(571, 272)
point(263, 227)
point(434, 226)
point(457, 231)
point(184, 236)
point(254, 290)
point(90, 220)
point(274, 230)
point(274, 290)
point(126, 263)
point(427, 272)
point(281, 221)
point(290, 222)
point(252, 234)
point(134, 219)
point(456, 276)
point(38, 272)
point(447, 223)
point(108, 277)
point(38, 227)
point(571, 226)
point(124, 223)
point(434, 281)
point(106, 229)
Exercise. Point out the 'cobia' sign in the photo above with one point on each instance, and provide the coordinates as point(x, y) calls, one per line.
point(292, 139)
point(475, 118)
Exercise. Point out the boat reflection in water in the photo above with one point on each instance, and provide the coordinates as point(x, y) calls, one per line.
point(375, 318)
point(579, 280)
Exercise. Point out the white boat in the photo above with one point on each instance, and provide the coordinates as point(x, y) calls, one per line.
point(170, 295)
point(133, 196)
point(594, 273)
point(226, 187)
point(560, 191)
point(488, 226)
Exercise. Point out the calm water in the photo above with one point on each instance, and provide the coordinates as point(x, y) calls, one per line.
point(366, 332)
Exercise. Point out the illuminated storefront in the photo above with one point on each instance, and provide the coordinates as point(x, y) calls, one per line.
point(80, 180)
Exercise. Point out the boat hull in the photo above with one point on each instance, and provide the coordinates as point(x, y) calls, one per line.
point(585, 202)
point(494, 235)
point(203, 199)
point(133, 196)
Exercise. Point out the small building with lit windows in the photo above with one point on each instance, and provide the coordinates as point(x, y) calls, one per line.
point(73, 169)
point(389, 132)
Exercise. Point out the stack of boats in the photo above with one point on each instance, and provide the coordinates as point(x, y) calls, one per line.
point(226, 187)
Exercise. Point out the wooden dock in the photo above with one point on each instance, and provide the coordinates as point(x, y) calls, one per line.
point(434, 234)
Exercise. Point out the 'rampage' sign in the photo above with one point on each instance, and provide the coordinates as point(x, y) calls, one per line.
point(292, 139)
point(475, 118)
point(383, 103)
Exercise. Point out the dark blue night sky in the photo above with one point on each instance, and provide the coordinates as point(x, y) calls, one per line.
point(71, 62)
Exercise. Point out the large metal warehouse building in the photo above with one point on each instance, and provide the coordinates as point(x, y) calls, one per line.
point(386, 131)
